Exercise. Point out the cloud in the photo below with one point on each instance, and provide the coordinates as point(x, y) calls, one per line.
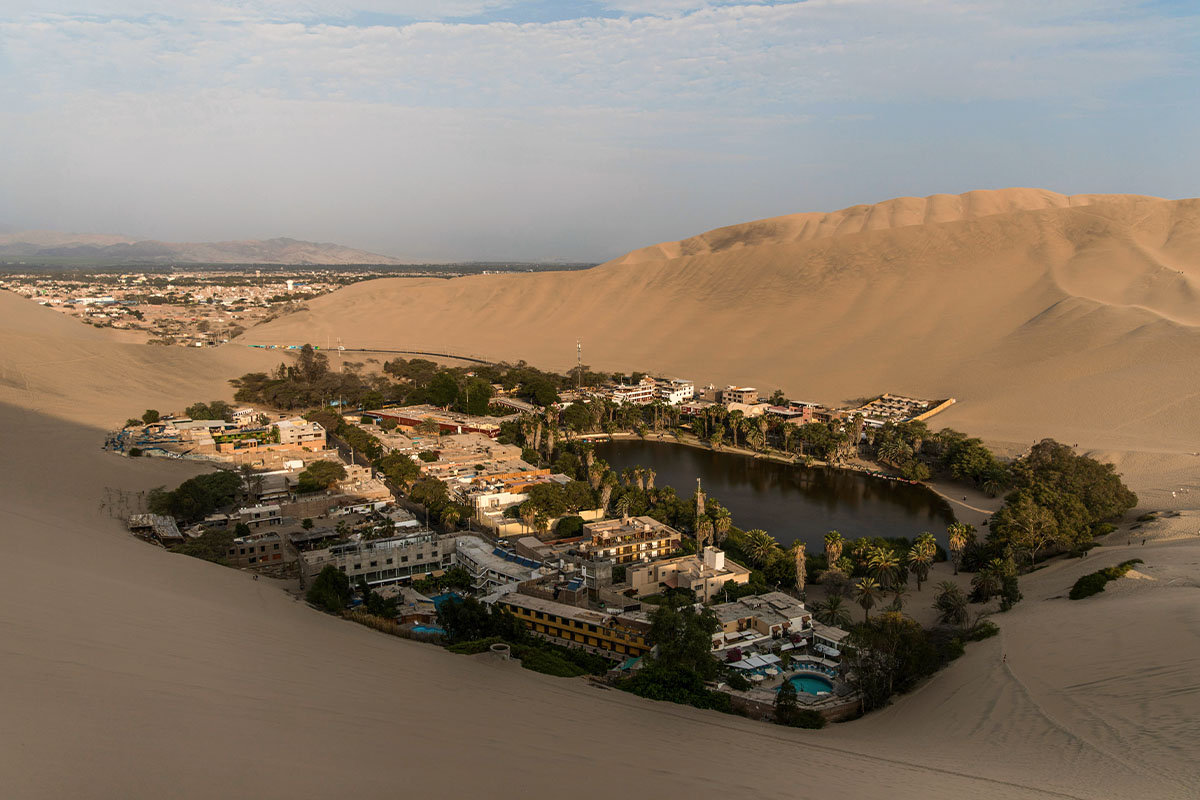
point(229, 100)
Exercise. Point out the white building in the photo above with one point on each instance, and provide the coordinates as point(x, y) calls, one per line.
point(640, 393)
point(675, 391)
point(492, 567)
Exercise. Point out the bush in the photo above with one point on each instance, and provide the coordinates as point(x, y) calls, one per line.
point(330, 591)
point(1093, 582)
point(475, 646)
point(568, 527)
point(549, 663)
point(135, 452)
point(428, 456)
point(807, 718)
point(984, 630)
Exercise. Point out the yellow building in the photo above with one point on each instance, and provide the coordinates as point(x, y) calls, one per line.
point(614, 636)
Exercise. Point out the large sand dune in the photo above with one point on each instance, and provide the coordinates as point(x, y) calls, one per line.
point(130, 672)
point(1044, 315)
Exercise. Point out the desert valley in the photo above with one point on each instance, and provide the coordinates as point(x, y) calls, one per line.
point(134, 671)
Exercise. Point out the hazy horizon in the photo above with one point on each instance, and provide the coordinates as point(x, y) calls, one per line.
point(574, 131)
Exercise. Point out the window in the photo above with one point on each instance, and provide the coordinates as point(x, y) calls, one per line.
point(242, 551)
point(389, 561)
point(374, 563)
point(403, 559)
point(253, 559)
point(276, 547)
point(358, 566)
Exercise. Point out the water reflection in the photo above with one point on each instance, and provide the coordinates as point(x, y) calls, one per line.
point(789, 502)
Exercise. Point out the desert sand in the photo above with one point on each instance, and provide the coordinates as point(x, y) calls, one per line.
point(131, 672)
point(1042, 314)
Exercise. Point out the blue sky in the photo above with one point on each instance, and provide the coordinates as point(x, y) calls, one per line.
point(485, 129)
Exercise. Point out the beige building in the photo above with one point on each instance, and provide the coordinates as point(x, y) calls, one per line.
point(764, 616)
point(259, 550)
point(631, 539)
point(384, 561)
point(299, 433)
point(704, 574)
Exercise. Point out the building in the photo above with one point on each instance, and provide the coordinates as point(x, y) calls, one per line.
point(259, 550)
point(260, 516)
point(492, 567)
point(447, 421)
point(630, 539)
point(384, 561)
point(615, 636)
point(674, 391)
point(746, 395)
point(704, 574)
point(300, 433)
point(765, 616)
point(639, 393)
point(156, 528)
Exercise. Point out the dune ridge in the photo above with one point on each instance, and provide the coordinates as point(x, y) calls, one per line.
point(1043, 314)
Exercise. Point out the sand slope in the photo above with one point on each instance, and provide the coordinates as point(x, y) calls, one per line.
point(1045, 315)
point(130, 672)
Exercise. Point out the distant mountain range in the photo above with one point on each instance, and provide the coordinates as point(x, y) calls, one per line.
point(53, 247)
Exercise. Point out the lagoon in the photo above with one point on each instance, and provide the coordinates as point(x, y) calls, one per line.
point(788, 501)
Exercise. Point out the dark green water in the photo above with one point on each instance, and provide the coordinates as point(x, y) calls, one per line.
point(789, 502)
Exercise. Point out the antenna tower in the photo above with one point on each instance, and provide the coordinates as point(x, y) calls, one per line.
point(578, 364)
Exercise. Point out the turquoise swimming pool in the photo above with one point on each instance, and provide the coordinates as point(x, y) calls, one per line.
point(811, 684)
point(428, 629)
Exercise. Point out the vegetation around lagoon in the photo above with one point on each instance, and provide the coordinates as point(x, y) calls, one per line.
point(1094, 582)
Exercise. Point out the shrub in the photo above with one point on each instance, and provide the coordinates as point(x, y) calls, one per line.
point(549, 663)
point(428, 456)
point(330, 591)
point(475, 646)
point(135, 452)
point(807, 718)
point(1093, 582)
point(984, 630)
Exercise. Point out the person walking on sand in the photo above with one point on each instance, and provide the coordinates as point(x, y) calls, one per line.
point(1004, 659)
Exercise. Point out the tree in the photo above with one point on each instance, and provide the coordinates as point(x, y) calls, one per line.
point(885, 566)
point(450, 517)
point(920, 560)
point(960, 536)
point(320, 475)
point(787, 709)
point(868, 593)
point(443, 389)
point(986, 583)
point(683, 638)
point(951, 604)
point(307, 524)
point(801, 565)
point(834, 543)
point(150, 416)
point(1027, 525)
point(330, 591)
point(835, 580)
point(833, 611)
point(759, 546)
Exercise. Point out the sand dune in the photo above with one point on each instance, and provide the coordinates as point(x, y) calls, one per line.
point(1044, 315)
point(130, 672)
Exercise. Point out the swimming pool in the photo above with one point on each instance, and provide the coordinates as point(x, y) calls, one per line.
point(811, 684)
point(440, 600)
point(428, 629)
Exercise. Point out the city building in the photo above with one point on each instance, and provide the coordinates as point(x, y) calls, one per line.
point(749, 620)
point(259, 550)
point(704, 574)
point(639, 393)
point(674, 391)
point(492, 567)
point(384, 561)
point(746, 395)
point(300, 433)
point(260, 516)
point(630, 539)
point(447, 421)
point(617, 636)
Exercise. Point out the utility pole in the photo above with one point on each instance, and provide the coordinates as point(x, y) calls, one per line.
point(578, 364)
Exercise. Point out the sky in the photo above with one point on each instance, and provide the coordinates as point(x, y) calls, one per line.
point(573, 130)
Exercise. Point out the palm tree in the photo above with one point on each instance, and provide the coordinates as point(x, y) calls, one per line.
point(623, 505)
point(787, 430)
point(833, 612)
point(450, 518)
point(834, 543)
point(759, 546)
point(801, 565)
point(704, 533)
point(885, 566)
point(722, 522)
point(951, 604)
point(961, 536)
point(920, 559)
point(528, 512)
point(987, 582)
point(735, 425)
point(926, 542)
point(868, 592)
point(650, 479)
point(541, 521)
point(607, 485)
